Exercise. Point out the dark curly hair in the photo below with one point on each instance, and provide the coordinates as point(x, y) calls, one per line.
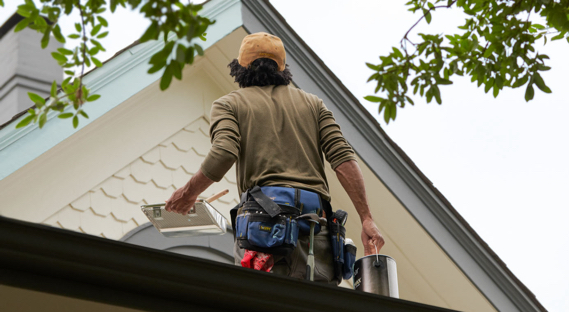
point(262, 72)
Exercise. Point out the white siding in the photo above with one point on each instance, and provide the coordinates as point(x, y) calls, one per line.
point(112, 208)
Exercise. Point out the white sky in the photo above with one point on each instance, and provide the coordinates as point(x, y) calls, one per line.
point(501, 162)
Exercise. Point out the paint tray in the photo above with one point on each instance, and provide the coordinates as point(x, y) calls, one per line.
point(201, 220)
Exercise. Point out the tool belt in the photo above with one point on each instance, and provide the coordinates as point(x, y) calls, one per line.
point(262, 223)
point(265, 221)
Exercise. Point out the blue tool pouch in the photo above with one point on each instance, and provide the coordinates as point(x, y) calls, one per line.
point(349, 260)
point(266, 225)
point(337, 236)
point(344, 255)
point(305, 201)
point(256, 230)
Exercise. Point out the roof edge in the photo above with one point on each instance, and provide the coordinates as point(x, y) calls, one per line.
point(48, 259)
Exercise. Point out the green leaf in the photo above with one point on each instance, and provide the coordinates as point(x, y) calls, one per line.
point(82, 112)
point(543, 67)
point(45, 39)
point(387, 113)
point(181, 53)
point(190, 55)
point(156, 67)
point(199, 49)
point(65, 115)
point(489, 51)
point(397, 53)
point(24, 10)
point(114, 5)
point(166, 78)
point(529, 93)
point(444, 82)
point(42, 120)
point(373, 67)
point(74, 36)
point(53, 91)
point(75, 121)
point(151, 32)
point(102, 35)
point(60, 58)
point(78, 27)
point(70, 72)
point(36, 98)
point(98, 44)
point(373, 99)
point(560, 36)
point(96, 29)
point(102, 21)
point(427, 16)
point(176, 70)
point(540, 83)
point(495, 91)
point(437, 93)
point(57, 34)
point(22, 24)
point(93, 97)
point(96, 62)
point(25, 121)
point(538, 26)
point(488, 85)
point(64, 51)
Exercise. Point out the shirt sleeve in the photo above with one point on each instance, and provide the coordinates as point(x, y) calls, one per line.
point(335, 147)
point(225, 141)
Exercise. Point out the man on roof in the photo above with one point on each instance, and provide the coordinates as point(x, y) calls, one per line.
point(278, 135)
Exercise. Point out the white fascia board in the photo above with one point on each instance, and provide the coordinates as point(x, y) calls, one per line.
point(119, 79)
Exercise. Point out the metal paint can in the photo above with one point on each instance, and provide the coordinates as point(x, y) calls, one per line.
point(376, 274)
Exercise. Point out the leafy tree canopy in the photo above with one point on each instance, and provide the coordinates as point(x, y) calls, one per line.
point(495, 47)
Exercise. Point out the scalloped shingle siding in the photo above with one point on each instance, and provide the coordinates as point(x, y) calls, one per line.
point(112, 208)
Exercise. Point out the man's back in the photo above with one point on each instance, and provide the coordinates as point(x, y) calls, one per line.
point(278, 134)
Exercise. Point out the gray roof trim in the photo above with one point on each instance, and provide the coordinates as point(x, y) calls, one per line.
point(52, 260)
point(394, 168)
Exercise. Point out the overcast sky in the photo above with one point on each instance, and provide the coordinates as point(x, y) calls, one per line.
point(502, 163)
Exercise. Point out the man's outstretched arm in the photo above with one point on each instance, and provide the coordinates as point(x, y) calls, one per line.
point(352, 181)
point(183, 199)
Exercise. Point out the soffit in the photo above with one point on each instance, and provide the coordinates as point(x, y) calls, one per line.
point(20, 299)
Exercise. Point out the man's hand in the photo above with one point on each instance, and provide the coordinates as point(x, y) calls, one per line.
point(180, 202)
point(184, 198)
point(371, 238)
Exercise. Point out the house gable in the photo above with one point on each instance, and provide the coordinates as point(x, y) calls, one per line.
point(441, 260)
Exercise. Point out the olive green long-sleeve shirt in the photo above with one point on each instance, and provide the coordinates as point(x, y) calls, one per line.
point(277, 135)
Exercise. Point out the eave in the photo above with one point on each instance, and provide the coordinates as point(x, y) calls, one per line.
point(71, 264)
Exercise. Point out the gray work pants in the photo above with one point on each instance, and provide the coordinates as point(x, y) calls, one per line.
point(294, 265)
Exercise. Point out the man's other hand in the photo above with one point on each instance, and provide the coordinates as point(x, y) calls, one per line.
point(180, 202)
point(371, 238)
